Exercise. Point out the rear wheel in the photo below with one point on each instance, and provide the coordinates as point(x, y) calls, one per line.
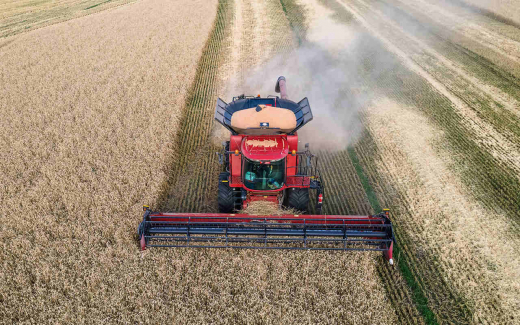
point(298, 199)
point(226, 199)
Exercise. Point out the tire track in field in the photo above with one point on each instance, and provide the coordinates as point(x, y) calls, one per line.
point(481, 29)
point(496, 127)
point(491, 172)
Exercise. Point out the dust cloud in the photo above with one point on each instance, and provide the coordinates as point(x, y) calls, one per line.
point(326, 68)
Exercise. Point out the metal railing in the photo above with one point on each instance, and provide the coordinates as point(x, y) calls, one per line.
point(306, 172)
point(317, 233)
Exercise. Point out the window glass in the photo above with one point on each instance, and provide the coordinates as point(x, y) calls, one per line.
point(264, 176)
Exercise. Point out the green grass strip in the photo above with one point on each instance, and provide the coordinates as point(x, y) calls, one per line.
point(284, 8)
point(99, 4)
point(372, 197)
point(418, 297)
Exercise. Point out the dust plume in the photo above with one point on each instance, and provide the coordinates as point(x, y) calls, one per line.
point(325, 68)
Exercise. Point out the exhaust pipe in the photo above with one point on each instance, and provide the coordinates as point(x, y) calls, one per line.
point(280, 87)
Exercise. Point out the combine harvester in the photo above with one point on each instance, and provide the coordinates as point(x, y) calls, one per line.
point(262, 163)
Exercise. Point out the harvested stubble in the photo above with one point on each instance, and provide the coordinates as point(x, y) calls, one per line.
point(344, 192)
point(490, 115)
point(89, 109)
point(507, 9)
point(265, 208)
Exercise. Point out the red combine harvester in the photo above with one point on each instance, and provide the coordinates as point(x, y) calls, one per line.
point(262, 163)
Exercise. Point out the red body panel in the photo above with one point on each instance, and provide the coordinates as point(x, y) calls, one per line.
point(265, 147)
point(235, 161)
point(290, 218)
point(269, 198)
point(297, 181)
point(291, 160)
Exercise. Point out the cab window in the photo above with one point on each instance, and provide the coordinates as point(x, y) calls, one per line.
point(264, 177)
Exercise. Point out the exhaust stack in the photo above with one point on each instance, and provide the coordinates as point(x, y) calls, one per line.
point(281, 87)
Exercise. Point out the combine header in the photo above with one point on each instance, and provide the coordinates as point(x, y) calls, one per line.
point(262, 163)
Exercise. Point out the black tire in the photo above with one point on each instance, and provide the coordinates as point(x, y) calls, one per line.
point(226, 200)
point(298, 199)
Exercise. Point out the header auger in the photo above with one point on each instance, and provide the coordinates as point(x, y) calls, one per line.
point(262, 163)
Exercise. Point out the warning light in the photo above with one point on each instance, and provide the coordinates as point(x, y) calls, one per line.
point(258, 95)
point(236, 152)
point(293, 152)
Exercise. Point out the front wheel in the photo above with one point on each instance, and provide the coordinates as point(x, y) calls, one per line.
point(226, 200)
point(298, 199)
